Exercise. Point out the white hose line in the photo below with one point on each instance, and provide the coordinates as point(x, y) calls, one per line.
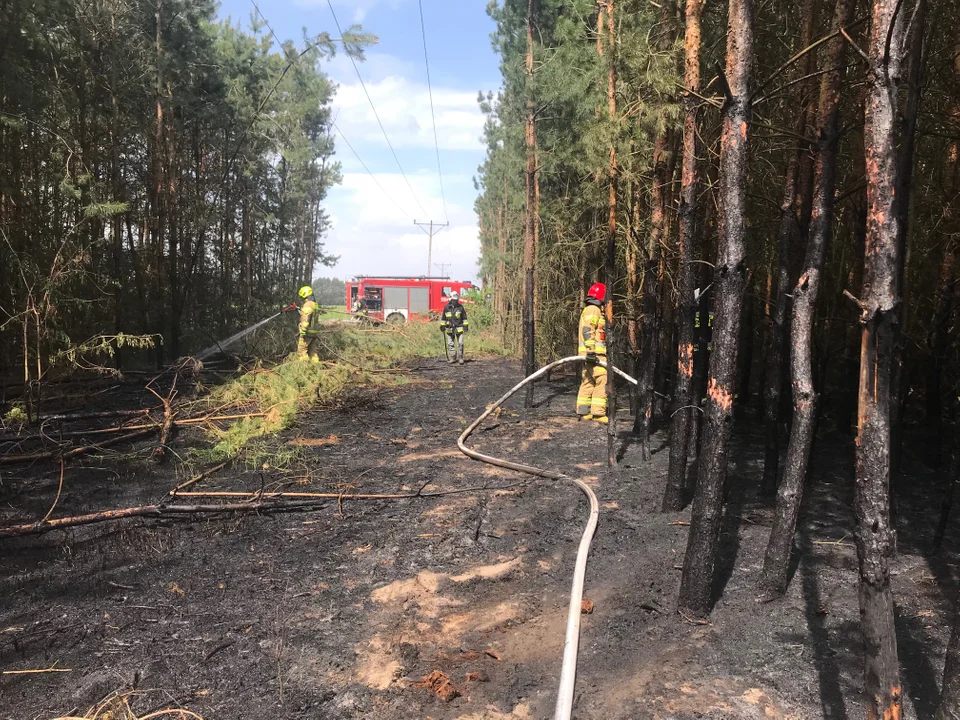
point(568, 670)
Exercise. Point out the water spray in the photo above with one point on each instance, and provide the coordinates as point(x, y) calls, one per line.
point(220, 346)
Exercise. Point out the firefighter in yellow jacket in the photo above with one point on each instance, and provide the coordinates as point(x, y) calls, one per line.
point(592, 398)
point(308, 346)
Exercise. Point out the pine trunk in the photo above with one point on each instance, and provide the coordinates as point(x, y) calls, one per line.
point(950, 689)
point(908, 130)
point(777, 348)
point(611, 263)
point(673, 496)
point(650, 332)
point(938, 355)
point(730, 276)
point(530, 221)
point(805, 294)
point(882, 259)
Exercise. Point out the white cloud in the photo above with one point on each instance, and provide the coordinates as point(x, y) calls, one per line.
point(373, 237)
point(360, 8)
point(403, 105)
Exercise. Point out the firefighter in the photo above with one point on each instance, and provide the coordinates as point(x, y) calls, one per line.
point(592, 398)
point(308, 345)
point(453, 324)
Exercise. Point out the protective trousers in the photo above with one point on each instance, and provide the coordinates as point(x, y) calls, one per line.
point(454, 346)
point(592, 398)
point(309, 346)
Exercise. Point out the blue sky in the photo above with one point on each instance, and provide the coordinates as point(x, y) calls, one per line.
point(371, 234)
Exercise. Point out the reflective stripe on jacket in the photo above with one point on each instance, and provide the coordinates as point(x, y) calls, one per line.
point(453, 318)
point(309, 319)
point(593, 330)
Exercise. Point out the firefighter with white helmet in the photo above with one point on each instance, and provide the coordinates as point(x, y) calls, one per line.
point(592, 397)
point(308, 345)
point(453, 324)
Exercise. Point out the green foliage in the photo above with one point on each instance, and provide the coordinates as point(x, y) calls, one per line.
point(105, 209)
point(80, 355)
point(574, 137)
point(480, 310)
point(167, 172)
point(15, 416)
point(356, 362)
point(329, 291)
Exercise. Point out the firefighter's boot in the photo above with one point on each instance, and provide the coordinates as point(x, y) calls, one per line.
point(587, 417)
point(602, 419)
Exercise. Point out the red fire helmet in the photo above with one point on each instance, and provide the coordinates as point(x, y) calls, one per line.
point(598, 291)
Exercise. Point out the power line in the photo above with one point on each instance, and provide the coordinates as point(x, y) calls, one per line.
point(332, 122)
point(375, 114)
point(372, 176)
point(436, 142)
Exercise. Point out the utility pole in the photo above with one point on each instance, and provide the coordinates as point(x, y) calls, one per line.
point(443, 268)
point(430, 228)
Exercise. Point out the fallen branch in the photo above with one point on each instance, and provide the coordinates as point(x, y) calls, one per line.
point(76, 452)
point(59, 490)
point(150, 511)
point(36, 672)
point(195, 420)
point(342, 496)
point(197, 478)
point(167, 428)
point(95, 415)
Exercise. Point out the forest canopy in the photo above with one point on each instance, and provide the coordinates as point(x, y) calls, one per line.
point(162, 173)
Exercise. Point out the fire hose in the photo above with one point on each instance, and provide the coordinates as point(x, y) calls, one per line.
point(568, 670)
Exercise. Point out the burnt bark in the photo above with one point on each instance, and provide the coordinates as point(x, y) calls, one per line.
point(730, 276)
point(686, 244)
point(777, 560)
point(908, 131)
point(530, 219)
point(939, 340)
point(611, 261)
point(938, 355)
point(789, 206)
point(881, 265)
point(650, 333)
point(950, 689)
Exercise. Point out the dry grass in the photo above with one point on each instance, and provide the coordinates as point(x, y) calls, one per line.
point(117, 707)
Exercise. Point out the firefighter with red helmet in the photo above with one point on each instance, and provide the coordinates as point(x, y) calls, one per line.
point(592, 397)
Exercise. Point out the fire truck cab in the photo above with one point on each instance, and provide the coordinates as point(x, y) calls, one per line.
point(399, 299)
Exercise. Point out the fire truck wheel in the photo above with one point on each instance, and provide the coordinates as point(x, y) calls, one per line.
point(396, 318)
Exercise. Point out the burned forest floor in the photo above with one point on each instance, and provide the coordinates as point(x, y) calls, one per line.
point(342, 611)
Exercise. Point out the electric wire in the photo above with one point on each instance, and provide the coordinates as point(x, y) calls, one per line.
point(433, 115)
point(376, 114)
point(333, 123)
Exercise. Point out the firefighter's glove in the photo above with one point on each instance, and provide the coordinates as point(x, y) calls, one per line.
point(592, 358)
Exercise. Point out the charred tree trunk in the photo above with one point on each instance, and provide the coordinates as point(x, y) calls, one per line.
point(730, 283)
point(686, 243)
point(777, 348)
point(650, 333)
point(938, 354)
point(611, 262)
point(531, 220)
point(878, 315)
point(950, 689)
point(805, 294)
point(948, 290)
point(633, 278)
point(908, 130)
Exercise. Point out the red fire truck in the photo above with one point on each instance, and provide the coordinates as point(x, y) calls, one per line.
point(398, 299)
